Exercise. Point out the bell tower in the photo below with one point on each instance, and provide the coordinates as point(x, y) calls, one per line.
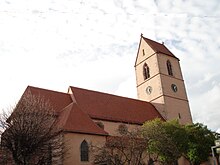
point(160, 81)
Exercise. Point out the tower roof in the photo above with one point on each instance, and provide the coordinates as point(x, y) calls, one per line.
point(158, 47)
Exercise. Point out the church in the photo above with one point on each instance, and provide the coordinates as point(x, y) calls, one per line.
point(91, 116)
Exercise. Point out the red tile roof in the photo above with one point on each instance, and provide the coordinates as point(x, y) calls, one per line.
point(76, 111)
point(73, 119)
point(59, 100)
point(114, 108)
point(158, 47)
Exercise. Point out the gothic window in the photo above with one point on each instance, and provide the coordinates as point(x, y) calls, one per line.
point(169, 68)
point(84, 151)
point(146, 71)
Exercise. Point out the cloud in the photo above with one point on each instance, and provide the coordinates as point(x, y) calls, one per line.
point(207, 105)
point(53, 44)
point(193, 38)
point(192, 8)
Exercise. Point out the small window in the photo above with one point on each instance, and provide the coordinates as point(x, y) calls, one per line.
point(146, 71)
point(169, 68)
point(84, 151)
point(143, 52)
point(100, 124)
point(179, 116)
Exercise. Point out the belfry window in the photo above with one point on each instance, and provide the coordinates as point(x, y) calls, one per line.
point(84, 151)
point(169, 68)
point(146, 71)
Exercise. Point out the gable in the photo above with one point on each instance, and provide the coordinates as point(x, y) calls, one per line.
point(151, 47)
point(144, 51)
point(72, 119)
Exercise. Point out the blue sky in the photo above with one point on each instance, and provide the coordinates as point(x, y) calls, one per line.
point(93, 44)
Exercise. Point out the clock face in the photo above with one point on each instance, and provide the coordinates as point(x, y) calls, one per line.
point(174, 87)
point(149, 90)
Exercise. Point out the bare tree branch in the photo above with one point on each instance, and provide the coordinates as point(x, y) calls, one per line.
point(126, 149)
point(30, 134)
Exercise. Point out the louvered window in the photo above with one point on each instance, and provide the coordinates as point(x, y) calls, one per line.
point(146, 71)
point(169, 68)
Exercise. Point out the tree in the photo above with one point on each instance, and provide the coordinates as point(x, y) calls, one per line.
point(126, 149)
point(168, 141)
point(164, 140)
point(30, 134)
point(178, 135)
point(200, 141)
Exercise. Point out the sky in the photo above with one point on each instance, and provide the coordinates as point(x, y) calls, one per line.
point(93, 44)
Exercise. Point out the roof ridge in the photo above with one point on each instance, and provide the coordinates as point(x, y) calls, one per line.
point(49, 90)
point(159, 47)
point(66, 107)
point(109, 94)
point(99, 105)
point(58, 100)
point(152, 41)
point(64, 110)
point(74, 110)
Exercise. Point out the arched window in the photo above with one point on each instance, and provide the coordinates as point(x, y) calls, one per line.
point(146, 71)
point(84, 151)
point(169, 68)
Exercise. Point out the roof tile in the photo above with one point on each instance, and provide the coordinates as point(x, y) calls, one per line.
point(114, 108)
point(75, 120)
point(77, 115)
point(158, 47)
point(58, 100)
